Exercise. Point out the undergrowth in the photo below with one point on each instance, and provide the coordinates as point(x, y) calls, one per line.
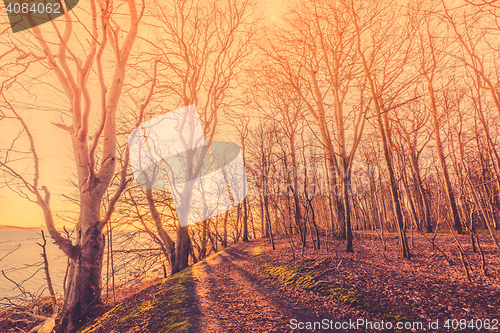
point(290, 276)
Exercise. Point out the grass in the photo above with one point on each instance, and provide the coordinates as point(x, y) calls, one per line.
point(163, 307)
point(290, 276)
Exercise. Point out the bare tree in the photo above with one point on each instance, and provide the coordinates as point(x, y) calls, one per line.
point(64, 59)
point(472, 27)
point(241, 123)
point(316, 56)
point(389, 61)
point(429, 64)
point(201, 48)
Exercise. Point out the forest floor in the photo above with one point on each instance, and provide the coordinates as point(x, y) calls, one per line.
point(250, 287)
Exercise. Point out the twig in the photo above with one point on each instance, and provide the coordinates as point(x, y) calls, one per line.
point(68, 262)
point(327, 271)
point(463, 263)
point(17, 248)
point(21, 289)
point(483, 262)
point(47, 326)
point(47, 273)
point(317, 283)
point(31, 314)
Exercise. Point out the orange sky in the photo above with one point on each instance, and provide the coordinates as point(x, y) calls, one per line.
point(54, 148)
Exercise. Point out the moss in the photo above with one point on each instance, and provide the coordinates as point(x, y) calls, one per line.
point(163, 307)
point(174, 313)
point(288, 275)
point(137, 311)
point(100, 321)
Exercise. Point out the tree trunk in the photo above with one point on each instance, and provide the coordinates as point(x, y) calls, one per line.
point(245, 221)
point(452, 205)
point(263, 225)
point(392, 180)
point(347, 215)
point(164, 237)
point(84, 281)
point(420, 188)
point(224, 235)
point(394, 190)
point(182, 250)
point(298, 214)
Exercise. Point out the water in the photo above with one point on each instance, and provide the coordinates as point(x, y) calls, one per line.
point(25, 264)
point(135, 258)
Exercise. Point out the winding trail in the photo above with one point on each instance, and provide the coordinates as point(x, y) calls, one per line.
point(232, 299)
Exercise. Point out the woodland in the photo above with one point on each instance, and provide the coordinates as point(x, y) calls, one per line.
point(369, 132)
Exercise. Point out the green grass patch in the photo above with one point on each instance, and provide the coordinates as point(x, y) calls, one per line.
point(177, 315)
point(164, 307)
point(291, 276)
point(103, 319)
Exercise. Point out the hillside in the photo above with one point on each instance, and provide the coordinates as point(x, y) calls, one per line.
point(251, 288)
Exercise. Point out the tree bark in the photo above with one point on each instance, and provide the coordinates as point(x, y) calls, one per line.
point(452, 204)
point(405, 252)
point(84, 283)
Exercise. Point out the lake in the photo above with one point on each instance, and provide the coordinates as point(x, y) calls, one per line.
point(24, 264)
point(21, 260)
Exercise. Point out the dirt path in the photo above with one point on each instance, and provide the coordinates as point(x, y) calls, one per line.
point(231, 299)
point(235, 291)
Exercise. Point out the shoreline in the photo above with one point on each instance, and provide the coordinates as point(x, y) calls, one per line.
point(13, 227)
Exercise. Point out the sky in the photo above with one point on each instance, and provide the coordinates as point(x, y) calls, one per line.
point(54, 148)
point(53, 145)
